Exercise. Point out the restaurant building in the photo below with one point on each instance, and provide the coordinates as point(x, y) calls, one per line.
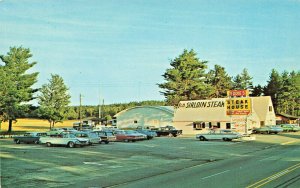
point(242, 114)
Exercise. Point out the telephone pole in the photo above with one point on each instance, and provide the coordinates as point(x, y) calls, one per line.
point(80, 115)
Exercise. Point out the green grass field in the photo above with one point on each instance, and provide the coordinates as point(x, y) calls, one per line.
point(24, 125)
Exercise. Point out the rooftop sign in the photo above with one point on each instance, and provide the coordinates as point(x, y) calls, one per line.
point(201, 104)
point(238, 93)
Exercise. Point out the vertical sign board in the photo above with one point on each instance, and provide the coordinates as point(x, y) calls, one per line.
point(238, 106)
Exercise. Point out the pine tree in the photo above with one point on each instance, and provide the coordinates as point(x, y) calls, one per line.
point(273, 87)
point(243, 81)
point(257, 90)
point(288, 93)
point(220, 81)
point(54, 100)
point(16, 84)
point(186, 79)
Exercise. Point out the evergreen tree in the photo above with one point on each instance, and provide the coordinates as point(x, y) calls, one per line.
point(15, 83)
point(243, 81)
point(186, 79)
point(257, 90)
point(273, 87)
point(54, 100)
point(288, 93)
point(220, 81)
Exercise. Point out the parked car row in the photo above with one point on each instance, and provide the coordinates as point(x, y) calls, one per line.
point(290, 127)
point(72, 137)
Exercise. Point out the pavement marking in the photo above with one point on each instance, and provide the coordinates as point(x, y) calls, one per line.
point(216, 174)
point(274, 176)
point(93, 163)
point(286, 143)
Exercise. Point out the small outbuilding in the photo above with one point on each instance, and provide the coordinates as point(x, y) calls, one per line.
point(282, 118)
point(145, 117)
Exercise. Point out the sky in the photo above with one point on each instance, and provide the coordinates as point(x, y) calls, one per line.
point(118, 50)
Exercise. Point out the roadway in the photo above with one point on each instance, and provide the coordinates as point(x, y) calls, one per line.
point(268, 161)
point(275, 166)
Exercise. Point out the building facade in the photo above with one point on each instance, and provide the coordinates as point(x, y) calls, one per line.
point(241, 114)
point(145, 117)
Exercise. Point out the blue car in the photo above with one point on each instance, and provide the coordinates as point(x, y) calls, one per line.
point(150, 134)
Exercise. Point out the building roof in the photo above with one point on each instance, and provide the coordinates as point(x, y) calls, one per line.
point(260, 106)
point(168, 109)
point(287, 116)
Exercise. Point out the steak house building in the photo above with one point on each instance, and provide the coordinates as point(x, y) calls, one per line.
point(240, 114)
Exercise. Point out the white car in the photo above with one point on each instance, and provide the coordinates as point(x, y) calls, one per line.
point(66, 139)
point(92, 137)
point(226, 135)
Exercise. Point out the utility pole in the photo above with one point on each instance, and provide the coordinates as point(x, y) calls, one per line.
point(80, 115)
point(102, 108)
point(99, 107)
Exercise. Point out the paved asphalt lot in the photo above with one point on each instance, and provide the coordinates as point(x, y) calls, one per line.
point(269, 161)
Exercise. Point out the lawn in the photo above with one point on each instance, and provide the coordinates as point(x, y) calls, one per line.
point(34, 125)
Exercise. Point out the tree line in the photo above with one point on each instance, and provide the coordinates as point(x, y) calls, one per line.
point(187, 79)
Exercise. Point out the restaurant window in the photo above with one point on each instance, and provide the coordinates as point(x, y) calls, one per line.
point(218, 125)
point(209, 125)
point(198, 125)
point(228, 125)
point(262, 123)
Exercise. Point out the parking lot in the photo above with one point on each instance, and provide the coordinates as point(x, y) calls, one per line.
point(115, 164)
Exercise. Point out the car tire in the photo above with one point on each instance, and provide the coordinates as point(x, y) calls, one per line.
point(48, 144)
point(36, 142)
point(71, 144)
point(17, 141)
point(201, 138)
point(106, 142)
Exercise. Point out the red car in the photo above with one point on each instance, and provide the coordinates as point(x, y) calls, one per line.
point(126, 136)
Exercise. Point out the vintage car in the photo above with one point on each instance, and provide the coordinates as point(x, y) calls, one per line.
point(55, 131)
point(65, 139)
point(268, 129)
point(225, 135)
point(150, 134)
point(290, 127)
point(140, 136)
point(127, 135)
point(30, 137)
point(106, 136)
point(167, 131)
point(91, 136)
point(69, 129)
